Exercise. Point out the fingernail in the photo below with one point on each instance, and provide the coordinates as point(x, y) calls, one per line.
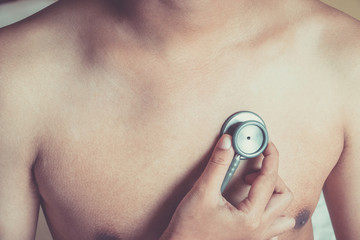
point(224, 143)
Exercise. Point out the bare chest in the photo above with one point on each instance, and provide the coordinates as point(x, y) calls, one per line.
point(123, 169)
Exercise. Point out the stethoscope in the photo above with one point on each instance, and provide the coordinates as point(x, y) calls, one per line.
point(249, 139)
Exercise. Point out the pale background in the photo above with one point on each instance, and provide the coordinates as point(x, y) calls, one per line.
point(15, 10)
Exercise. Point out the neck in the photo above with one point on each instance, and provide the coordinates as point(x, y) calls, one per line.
point(186, 16)
point(204, 13)
point(186, 22)
point(195, 16)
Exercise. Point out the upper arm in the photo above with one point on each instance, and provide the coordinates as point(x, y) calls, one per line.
point(19, 201)
point(342, 188)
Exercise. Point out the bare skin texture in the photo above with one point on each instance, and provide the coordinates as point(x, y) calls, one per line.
point(109, 110)
point(205, 214)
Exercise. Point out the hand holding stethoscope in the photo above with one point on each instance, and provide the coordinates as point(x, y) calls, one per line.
point(249, 139)
point(205, 214)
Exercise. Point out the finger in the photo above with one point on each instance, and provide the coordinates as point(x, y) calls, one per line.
point(277, 206)
point(264, 184)
point(278, 202)
point(280, 186)
point(218, 164)
point(250, 178)
point(280, 226)
point(271, 159)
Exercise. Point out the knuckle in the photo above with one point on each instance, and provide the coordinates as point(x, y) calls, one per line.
point(270, 179)
point(252, 219)
point(200, 190)
point(218, 160)
point(205, 198)
point(253, 223)
point(245, 207)
point(198, 194)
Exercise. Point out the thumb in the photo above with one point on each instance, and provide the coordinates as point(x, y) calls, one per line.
point(220, 160)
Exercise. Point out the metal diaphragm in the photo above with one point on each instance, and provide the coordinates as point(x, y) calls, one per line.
point(250, 139)
point(249, 133)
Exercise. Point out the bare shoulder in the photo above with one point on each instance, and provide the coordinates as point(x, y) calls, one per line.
point(338, 49)
point(35, 56)
point(31, 56)
point(19, 65)
point(19, 99)
point(327, 50)
point(25, 67)
point(339, 41)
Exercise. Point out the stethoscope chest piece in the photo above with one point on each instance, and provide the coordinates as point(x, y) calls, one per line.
point(249, 138)
point(249, 134)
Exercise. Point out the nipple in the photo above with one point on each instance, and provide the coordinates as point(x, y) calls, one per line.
point(106, 236)
point(302, 218)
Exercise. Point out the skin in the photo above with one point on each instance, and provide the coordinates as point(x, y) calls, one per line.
point(109, 111)
point(205, 214)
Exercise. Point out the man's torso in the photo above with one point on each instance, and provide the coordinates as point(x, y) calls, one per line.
point(122, 147)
